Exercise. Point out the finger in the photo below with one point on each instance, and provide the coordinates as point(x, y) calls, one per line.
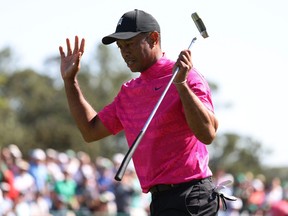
point(185, 57)
point(82, 46)
point(185, 54)
point(181, 56)
point(62, 54)
point(76, 45)
point(69, 50)
point(188, 55)
point(189, 58)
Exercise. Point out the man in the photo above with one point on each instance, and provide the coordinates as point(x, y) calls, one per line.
point(172, 160)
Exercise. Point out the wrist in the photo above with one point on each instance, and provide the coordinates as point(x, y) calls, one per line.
point(70, 81)
point(180, 83)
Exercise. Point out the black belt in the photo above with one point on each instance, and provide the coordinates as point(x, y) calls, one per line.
point(166, 187)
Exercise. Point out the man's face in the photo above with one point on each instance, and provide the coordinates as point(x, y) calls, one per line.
point(137, 52)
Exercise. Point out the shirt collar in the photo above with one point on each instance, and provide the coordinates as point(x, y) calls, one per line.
point(157, 70)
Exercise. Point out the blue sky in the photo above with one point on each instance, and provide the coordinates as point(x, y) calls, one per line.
point(246, 53)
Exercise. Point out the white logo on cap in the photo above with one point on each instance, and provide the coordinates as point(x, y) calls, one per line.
point(120, 21)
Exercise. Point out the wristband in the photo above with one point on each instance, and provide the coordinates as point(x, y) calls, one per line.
point(180, 83)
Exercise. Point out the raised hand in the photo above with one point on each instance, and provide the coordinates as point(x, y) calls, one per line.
point(184, 62)
point(70, 62)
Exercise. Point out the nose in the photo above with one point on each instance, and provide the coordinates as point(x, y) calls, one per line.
point(125, 50)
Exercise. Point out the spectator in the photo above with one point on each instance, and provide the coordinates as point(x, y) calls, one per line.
point(140, 202)
point(256, 200)
point(124, 192)
point(87, 194)
point(105, 178)
point(9, 179)
point(86, 168)
point(24, 181)
point(40, 206)
point(21, 206)
point(275, 193)
point(280, 208)
point(66, 190)
point(38, 169)
point(53, 168)
point(15, 155)
point(6, 202)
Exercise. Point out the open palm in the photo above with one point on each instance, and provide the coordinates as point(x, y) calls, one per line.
point(70, 62)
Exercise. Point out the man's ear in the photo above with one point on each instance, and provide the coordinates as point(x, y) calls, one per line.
point(154, 38)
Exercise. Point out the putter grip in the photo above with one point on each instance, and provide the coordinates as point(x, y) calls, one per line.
point(120, 173)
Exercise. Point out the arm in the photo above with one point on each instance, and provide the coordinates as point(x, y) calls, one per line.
point(201, 121)
point(84, 115)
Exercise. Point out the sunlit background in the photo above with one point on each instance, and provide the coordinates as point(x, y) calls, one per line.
point(246, 54)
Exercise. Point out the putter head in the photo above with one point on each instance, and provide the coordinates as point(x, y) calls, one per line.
point(204, 34)
point(200, 25)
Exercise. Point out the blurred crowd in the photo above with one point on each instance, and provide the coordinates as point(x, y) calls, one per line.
point(255, 195)
point(67, 183)
point(49, 182)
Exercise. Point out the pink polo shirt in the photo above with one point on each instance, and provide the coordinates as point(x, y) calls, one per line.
point(168, 153)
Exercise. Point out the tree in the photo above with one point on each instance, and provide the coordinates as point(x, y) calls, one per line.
point(8, 61)
point(104, 76)
point(34, 111)
point(34, 108)
point(234, 154)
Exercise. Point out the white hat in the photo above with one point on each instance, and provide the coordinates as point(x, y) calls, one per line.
point(51, 153)
point(118, 158)
point(63, 158)
point(38, 154)
point(23, 165)
point(5, 186)
point(258, 185)
point(15, 151)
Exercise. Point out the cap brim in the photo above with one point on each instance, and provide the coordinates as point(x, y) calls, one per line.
point(118, 36)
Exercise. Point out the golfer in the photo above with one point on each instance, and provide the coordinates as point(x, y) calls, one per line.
point(171, 161)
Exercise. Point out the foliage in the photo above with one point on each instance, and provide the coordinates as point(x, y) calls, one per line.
point(34, 112)
point(239, 154)
point(8, 61)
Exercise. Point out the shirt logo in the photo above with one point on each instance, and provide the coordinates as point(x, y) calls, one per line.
point(157, 88)
point(120, 21)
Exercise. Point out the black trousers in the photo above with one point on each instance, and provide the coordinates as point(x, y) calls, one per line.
point(189, 199)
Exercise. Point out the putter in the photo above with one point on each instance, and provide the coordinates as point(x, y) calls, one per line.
point(119, 175)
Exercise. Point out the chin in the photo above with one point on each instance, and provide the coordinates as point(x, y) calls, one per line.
point(133, 69)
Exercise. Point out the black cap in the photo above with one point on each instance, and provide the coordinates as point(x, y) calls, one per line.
point(131, 24)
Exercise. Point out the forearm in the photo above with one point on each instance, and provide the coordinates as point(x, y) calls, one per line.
point(82, 112)
point(201, 121)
